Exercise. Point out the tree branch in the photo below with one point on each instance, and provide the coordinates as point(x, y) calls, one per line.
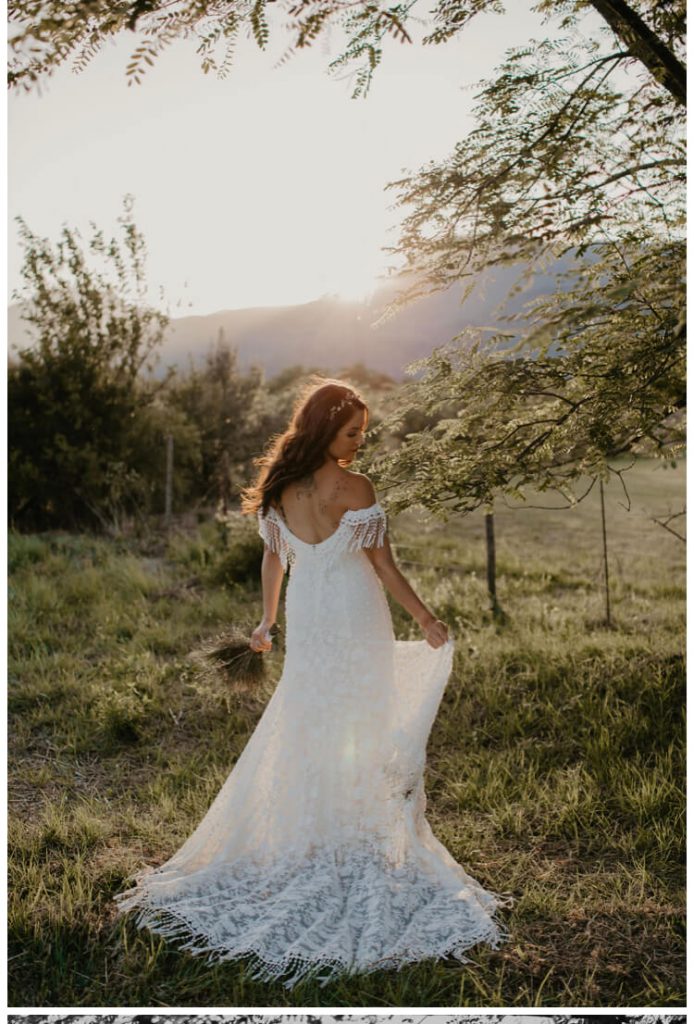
point(665, 525)
point(552, 508)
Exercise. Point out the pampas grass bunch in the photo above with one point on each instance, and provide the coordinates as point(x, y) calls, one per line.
point(228, 656)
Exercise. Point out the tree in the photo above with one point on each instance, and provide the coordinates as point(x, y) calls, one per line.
point(79, 411)
point(558, 166)
point(232, 412)
point(546, 419)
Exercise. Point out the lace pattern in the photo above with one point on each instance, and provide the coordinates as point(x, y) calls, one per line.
point(337, 911)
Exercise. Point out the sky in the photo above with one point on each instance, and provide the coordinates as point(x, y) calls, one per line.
point(265, 188)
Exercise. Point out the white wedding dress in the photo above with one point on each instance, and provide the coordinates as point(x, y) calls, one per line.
point(316, 857)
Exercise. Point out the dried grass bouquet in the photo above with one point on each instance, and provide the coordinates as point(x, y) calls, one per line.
point(228, 656)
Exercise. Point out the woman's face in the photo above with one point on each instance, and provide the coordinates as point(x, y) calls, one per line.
point(349, 437)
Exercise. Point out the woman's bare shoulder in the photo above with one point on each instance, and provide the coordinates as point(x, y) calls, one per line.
point(359, 490)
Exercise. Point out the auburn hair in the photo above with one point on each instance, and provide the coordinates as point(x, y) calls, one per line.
point(321, 410)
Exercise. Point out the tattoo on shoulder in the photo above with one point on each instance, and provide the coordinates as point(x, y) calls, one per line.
point(305, 486)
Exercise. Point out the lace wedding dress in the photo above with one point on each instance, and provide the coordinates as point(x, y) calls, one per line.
point(316, 856)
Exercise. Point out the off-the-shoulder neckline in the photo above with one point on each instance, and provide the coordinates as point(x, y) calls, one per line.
point(348, 512)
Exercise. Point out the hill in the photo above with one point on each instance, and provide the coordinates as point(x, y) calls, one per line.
point(330, 332)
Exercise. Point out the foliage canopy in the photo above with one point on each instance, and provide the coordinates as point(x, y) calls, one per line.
point(50, 32)
point(557, 168)
point(577, 156)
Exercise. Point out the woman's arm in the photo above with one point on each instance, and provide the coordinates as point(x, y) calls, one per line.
point(363, 495)
point(435, 631)
point(271, 574)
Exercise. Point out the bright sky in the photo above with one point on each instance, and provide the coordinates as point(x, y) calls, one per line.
point(265, 188)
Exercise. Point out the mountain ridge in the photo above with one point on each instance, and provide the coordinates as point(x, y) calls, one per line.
point(330, 332)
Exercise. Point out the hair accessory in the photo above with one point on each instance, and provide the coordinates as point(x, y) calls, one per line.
point(338, 408)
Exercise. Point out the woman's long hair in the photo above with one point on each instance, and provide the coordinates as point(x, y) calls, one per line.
point(321, 410)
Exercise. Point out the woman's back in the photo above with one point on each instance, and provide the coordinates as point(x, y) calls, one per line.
point(312, 508)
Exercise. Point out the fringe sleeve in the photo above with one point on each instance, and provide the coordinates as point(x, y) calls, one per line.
point(271, 532)
point(367, 527)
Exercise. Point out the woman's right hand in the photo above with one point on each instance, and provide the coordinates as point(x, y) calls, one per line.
point(435, 632)
point(260, 638)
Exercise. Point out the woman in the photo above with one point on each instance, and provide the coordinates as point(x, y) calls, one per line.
point(316, 856)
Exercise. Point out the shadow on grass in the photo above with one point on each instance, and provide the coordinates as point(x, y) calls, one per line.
point(550, 960)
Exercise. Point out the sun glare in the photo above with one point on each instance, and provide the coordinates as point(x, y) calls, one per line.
point(358, 288)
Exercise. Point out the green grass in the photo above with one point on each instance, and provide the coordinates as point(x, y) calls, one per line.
point(555, 772)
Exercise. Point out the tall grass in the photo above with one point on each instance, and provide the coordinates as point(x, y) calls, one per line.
point(555, 765)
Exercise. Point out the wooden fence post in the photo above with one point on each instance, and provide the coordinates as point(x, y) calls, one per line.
point(168, 494)
point(491, 561)
point(608, 612)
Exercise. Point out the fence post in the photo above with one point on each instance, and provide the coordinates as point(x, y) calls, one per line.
point(608, 612)
point(491, 561)
point(168, 494)
point(223, 481)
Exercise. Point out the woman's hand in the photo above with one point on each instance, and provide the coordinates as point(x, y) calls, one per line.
point(435, 632)
point(260, 638)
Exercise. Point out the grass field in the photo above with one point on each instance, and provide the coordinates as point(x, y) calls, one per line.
point(556, 764)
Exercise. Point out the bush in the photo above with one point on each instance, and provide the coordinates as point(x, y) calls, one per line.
point(242, 550)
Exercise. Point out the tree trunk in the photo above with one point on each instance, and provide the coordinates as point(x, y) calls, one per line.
point(644, 44)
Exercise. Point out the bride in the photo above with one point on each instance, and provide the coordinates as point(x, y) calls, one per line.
point(316, 857)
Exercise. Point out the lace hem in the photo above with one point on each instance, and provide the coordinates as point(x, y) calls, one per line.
point(176, 928)
point(289, 923)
